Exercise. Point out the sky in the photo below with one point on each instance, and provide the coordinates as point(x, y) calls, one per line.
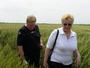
point(46, 11)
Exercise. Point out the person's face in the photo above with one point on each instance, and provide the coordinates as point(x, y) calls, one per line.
point(31, 24)
point(67, 24)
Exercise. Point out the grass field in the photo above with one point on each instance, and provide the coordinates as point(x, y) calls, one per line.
point(8, 52)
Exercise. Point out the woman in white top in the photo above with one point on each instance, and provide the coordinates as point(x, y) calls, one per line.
point(65, 47)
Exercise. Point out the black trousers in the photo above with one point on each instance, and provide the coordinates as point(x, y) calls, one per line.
point(58, 65)
point(33, 59)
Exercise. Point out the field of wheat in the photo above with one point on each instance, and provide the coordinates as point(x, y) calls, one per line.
point(8, 49)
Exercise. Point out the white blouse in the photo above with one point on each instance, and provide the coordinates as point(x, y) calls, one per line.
point(63, 50)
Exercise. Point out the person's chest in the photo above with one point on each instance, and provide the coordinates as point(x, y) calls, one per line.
point(64, 44)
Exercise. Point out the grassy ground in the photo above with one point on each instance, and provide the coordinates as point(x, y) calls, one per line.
point(8, 52)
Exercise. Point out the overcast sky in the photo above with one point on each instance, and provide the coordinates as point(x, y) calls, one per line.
point(46, 11)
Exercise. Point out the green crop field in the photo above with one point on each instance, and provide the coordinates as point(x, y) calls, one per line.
point(8, 49)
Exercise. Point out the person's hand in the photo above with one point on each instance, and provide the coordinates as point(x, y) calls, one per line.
point(41, 45)
point(21, 52)
point(45, 64)
point(78, 61)
point(21, 55)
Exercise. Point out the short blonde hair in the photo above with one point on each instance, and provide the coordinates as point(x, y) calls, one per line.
point(31, 19)
point(67, 17)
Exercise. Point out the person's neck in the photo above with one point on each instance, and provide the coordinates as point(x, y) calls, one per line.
point(29, 27)
point(67, 33)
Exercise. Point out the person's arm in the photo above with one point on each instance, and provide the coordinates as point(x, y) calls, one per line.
point(41, 43)
point(20, 51)
point(49, 47)
point(77, 57)
point(47, 52)
point(20, 40)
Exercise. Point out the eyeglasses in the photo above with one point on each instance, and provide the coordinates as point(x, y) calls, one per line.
point(33, 21)
point(65, 24)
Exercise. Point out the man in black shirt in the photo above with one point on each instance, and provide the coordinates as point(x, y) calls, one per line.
point(28, 42)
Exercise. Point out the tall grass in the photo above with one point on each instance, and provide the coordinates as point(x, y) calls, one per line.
point(8, 50)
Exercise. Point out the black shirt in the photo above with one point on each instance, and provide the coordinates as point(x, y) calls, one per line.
point(29, 39)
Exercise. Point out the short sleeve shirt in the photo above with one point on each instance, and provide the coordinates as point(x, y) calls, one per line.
point(29, 39)
point(63, 50)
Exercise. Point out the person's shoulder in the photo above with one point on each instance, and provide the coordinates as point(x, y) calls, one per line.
point(54, 31)
point(22, 29)
point(61, 28)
